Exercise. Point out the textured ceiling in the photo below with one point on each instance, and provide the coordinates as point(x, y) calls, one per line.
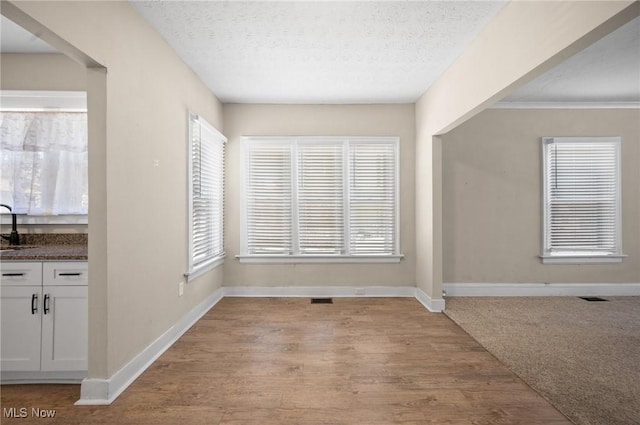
point(356, 52)
point(606, 71)
point(319, 52)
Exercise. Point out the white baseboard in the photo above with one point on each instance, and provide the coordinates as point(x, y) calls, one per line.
point(431, 304)
point(38, 377)
point(105, 391)
point(540, 289)
point(319, 291)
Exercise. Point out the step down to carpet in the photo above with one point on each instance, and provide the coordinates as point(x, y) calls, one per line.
point(321, 300)
point(592, 299)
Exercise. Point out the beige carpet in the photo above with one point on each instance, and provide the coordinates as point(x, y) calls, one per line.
point(584, 357)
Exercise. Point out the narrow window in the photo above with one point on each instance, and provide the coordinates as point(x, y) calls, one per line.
point(581, 184)
point(206, 200)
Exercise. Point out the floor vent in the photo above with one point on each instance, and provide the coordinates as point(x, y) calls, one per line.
point(592, 299)
point(321, 300)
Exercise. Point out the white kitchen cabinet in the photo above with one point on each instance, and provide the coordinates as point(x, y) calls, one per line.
point(45, 322)
point(64, 328)
point(21, 327)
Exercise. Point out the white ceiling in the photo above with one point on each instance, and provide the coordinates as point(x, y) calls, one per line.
point(319, 52)
point(606, 71)
point(15, 39)
point(355, 52)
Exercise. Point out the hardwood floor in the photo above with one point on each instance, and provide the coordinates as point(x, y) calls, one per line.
point(369, 361)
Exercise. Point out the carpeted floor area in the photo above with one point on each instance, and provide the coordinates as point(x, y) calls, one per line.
point(584, 357)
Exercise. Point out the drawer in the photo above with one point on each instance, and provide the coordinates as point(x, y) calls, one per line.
point(73, 273)
point(21, 273)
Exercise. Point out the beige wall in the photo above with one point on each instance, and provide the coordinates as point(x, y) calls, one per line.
point(319, 120)
point(137, 211)
point(43, 71)
point(492, 196)
point(512, 50)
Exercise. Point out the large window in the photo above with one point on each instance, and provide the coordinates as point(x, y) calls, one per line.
point(206, 200)
point(582, 217)
point(320, 199)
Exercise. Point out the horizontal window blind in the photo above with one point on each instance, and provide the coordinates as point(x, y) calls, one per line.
point(329, 196)
point(372, 198)
point(582, 201)
point(321, 198)
point(269, 198)
point(207, 192)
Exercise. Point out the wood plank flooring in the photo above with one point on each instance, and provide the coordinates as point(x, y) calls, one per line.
point(281, 361)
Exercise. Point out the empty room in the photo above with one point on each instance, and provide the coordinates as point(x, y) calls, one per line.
point(320, 212)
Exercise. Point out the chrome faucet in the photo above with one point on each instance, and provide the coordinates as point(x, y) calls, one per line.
point(13, 238)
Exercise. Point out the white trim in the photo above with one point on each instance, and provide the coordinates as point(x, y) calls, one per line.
point(203, 268)
point(42, 377)
point(581, 259)
point(195, 270)
point(297, 259)
point(548, 255)
point(431, 304)
point(24, 219)
point(372, 139)
point(319, 291)
point(566, 105)
point(540, 289)
point(105, 391)
point(293, 142)
point(40, 100)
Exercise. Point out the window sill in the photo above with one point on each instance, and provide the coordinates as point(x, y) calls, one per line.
point(298, 259)
point(46, 219)
point(581, 259)
point(203, 268)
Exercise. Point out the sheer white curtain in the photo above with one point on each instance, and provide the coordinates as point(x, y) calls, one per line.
point(44, 162)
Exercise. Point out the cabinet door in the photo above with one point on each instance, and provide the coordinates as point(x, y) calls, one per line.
point(21, 325)
point(64, 328)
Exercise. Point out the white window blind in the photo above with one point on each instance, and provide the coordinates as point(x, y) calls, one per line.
point(206, 194)
point(582, 215)
point(320, 197)
point(269, 199)
point(372, 195)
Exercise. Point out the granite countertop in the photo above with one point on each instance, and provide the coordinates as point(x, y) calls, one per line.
point(46, 247)
point(44, 253)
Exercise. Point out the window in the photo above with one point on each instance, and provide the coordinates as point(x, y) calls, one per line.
point(582, 216)
point(44, 154)
point(320, 199)
point(206, 200)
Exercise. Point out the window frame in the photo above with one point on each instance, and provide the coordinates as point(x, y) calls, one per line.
point(245, 257)
point(44, 101)
point(576, 257)
point(198, 269)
